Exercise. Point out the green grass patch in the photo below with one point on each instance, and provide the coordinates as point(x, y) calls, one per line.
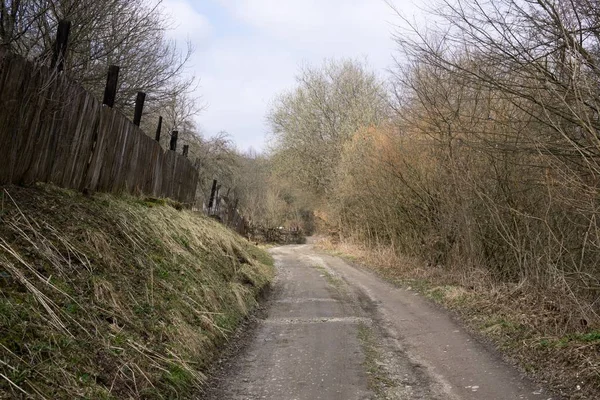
point(377, 377)
point(333, 280)
point(573, 339)
point(108, 297)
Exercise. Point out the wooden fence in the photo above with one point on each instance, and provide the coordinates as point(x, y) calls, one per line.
point(225, 211)
point(53, 130)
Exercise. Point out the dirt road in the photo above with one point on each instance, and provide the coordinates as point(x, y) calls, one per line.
point(333, 331)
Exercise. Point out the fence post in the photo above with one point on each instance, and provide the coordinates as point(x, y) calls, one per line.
point(212, 194)
point(139, 107)
point(232, 212)
point(158, 129)
point(186, 148)
point(60, 46)
point(217, 198)
point(110, 91)
point(173, 143)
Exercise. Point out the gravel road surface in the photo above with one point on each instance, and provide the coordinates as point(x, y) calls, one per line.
point(334, 331)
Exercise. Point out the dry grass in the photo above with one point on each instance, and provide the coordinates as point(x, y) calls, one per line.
point(541, 331)
point(104, 297)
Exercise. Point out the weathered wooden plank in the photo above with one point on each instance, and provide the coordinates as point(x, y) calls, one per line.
point(85, 132)
point(113, 158)
point(112, 161)
point(151, 164)
point(30, 114)
point(176, 177)
point(45, 86)
point(5, 102)
point(130, 171)
point(193, 184)
point(146, 164)
point(158, 156)
point(6, 132)
point(70, 106)
point(13, 90)
point(139, 173)
point(188, 193)
point(168, 173)
point(141, 167)
point(49, 99)
point(25, 115)
point(91, 181)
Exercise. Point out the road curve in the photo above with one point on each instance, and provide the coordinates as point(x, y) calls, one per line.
point(334, 331)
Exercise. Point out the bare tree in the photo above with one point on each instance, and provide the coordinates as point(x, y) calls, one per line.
point(504, 96)
point(128, 33)
point(311, 123)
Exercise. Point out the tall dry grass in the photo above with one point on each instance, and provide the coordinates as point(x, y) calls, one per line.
point(105, 297)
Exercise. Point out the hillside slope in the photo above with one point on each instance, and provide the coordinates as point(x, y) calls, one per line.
point(104, 297)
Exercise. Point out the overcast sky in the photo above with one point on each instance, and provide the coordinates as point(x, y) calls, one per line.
point(248, 51)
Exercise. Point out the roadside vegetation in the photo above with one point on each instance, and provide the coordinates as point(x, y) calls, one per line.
point(476, 159)
point(105, 297)
point(522, 322)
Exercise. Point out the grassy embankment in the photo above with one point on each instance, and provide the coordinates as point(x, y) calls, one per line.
point(104, 297)
point(529, 326)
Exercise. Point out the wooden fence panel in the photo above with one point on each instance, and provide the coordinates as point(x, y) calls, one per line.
point(5, 132)
point(130, 161)
point(44, 128)
point(91, 180)
point(14, 100)
point(189, 181)
point(116, 139)
point(68, 106)
point(52, 130)
point(78, 140)
point(175, 177)
point(124, 157)
point(157, 184)
point(40, 88)
point(147, 163)
point(86, 129)
point(167, 174)
point(23, 117)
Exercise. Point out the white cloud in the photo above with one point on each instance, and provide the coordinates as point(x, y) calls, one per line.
point(239, 78)
point(317, 27)
point(292, 17)
point(187, 22)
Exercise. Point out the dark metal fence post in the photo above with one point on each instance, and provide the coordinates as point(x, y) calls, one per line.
point(212, 194)
point(158, 129)
point(110, 91)
point(173, 143)
point(232, 213)
point(60, 46)
point(139, 108)
point(217, 198)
